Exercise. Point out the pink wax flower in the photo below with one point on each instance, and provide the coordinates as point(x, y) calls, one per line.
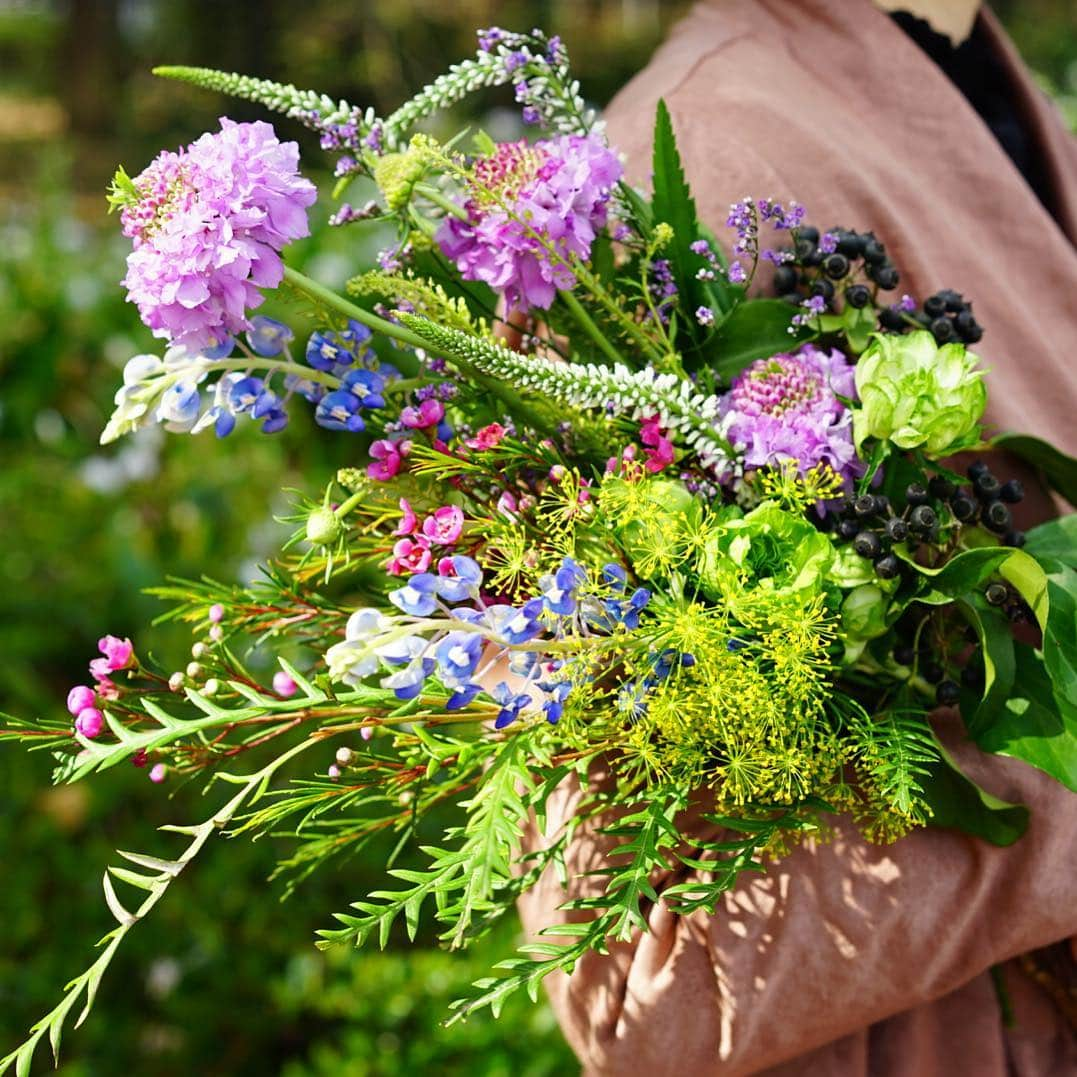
point(489, 437)
point(216, 613)
point(428, 413)
point(659, 454)
point(409, 522)
point(366, 732)
point(410, 555)
point(507, 505)
point(387, 459)
point(552, 193)
point(119, 653)
point(79, 698)
point(445, 525)
point(208, 224)
point(283, 685)
point(90, 722)
point(158, 773)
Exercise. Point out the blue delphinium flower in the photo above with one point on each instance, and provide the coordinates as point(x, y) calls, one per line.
point(418, 597)
point(554, 706)
point(408, 683)
point(458, 655)
point(267, 337)
point(511, 704)
point(339, 410)
point(516, 625)
point(464, 582)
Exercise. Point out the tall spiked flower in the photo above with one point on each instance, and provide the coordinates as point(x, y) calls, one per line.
point(531, 207)
point(208, 224)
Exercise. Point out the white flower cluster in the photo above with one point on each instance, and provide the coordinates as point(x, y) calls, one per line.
point(681, 408)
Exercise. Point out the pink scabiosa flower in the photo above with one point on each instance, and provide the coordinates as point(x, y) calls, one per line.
point(410, 555)
point(524, 199)
point(787, 407)
point(445, 525)
point(208, 224)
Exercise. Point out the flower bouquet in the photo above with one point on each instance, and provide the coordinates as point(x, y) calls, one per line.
point(615, 510)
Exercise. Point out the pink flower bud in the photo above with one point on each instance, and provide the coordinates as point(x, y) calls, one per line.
point(333, 771)
point(139, 759)
point(216, 613)
point(283, 685)
point(366, 732)
point(79, 698)
point(158, 773)
point(90, 722)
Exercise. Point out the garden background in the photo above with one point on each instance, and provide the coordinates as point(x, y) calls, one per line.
point(224, 979)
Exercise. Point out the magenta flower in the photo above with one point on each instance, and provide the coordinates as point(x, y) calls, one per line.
point(409, 522)
point(410, 555)
point(429, 413)
point(208, 225)
point(118, 652)
point(445, 525)
point(489, 437)
point(527, 199)
point(787, 407)
point(659, 453)
point(388, 458)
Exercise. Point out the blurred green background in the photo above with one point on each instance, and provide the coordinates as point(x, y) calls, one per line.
point(223, 979)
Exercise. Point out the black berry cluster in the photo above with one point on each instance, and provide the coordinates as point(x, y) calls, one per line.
point(987, 502)
point(840, 261)
point(946, 314)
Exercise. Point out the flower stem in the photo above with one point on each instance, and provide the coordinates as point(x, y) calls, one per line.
point(587, 324)
point(327, 297)
point(432, 194)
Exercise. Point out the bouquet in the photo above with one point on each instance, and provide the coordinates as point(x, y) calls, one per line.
point(623, 504)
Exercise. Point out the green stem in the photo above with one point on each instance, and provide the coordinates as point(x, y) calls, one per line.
point(327, 297)
point(432, 194)
point(322, 377)
point(587, 324)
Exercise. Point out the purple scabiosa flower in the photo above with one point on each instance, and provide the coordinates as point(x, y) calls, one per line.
point(557, 189)
point(787, 407)
point(208, 224)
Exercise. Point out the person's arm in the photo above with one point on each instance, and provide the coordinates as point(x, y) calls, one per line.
point(828, 941)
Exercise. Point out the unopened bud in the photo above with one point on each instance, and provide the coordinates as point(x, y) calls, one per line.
point(211, 687)
point(194, 670)
point(175, 682)
point(198, 650)
point(323, 527)
point(344, 756)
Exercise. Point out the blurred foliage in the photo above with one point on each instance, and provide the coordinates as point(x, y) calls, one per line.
point(223, 980)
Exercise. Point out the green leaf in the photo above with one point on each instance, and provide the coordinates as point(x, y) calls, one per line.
point(1035, 725)
point(858, 324)
point(996, 640)
point(1058, 469)
point(1055, 540)
point(755, 329)
point(958, 802)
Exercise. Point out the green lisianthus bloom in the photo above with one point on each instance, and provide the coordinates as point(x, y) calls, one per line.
point(770, 555)
point(919, 395)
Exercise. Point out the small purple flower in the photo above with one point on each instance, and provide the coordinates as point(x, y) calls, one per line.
point(736, 273)
point(828, 243)
point(705, 316)
point(428, 413)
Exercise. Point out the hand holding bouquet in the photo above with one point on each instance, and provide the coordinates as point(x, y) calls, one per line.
point(706, 543)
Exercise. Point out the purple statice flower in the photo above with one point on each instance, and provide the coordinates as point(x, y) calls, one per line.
point(554, 192)
point(208, 228)
point(828, 243)
point(704, 315)
point(787, 407)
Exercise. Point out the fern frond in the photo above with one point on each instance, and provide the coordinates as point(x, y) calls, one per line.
point(895, 750)
point(156, 876)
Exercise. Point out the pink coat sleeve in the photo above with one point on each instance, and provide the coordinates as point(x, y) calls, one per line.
point(835, 937)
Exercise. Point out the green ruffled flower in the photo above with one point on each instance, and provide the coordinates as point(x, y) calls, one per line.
point(769, 556)
point(919, 395)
